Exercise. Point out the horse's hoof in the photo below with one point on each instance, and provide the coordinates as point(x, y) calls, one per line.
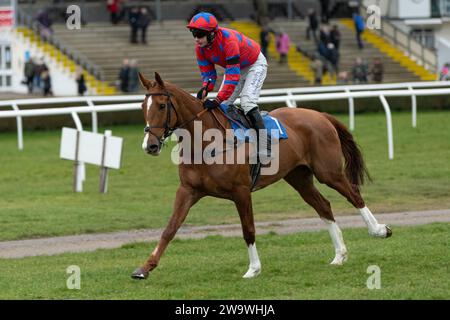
point(252, 273)
point(139, 274)
point(388, 232)
point(339, 259)
point(382, 231)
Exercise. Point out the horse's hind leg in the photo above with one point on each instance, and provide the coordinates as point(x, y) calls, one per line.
point(340, 183)
point(301, 179)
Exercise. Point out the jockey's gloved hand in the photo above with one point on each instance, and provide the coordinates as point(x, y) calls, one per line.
point(203, 93)
point(211, 104)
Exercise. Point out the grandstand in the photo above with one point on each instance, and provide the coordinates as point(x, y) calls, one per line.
point(99, 47)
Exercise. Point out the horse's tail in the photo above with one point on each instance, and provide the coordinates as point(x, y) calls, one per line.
point(355, 167)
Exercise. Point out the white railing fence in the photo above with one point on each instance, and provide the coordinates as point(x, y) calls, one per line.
point(289, 96)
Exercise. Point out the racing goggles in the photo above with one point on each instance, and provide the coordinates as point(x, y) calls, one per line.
point(197, 33)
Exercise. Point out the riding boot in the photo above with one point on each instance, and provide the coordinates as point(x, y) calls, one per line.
point(258, 124)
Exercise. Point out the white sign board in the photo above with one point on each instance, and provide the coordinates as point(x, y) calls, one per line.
point(92, 148)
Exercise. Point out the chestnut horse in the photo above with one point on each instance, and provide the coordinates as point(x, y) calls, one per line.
point(317, 145)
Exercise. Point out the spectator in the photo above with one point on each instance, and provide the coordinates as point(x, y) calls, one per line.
point(133, 76)
point(325, 35)
point(81, 82)
point(283, 45)
point(333, 59)
point(359, 27)
point(377, 70)
point(359, 71)
point(133, 18)
point(113, 8)
point(124, 76)
point(143, 23)
point(324, 10)
point(444, 75)
point(38, 69)
point(28, 71)
point(44, 23)
point(342, 78)
point(317, 68)
point(313, 24)
point(47, 83)
point(264, 36)
point(335, 37)
point(260, 8)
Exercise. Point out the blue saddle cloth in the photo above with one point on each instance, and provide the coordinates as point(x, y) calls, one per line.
point(274, 127)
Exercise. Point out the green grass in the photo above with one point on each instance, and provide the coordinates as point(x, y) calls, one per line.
point(36, 197)
point(413, 263)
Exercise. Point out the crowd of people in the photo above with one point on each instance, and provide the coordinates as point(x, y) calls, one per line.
point(137, 17)
point(37, 76)
point(327, 42)
point(139, 20)
point(325, 59)
point(128, 76)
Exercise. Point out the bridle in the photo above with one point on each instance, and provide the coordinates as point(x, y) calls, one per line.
point(168, 130)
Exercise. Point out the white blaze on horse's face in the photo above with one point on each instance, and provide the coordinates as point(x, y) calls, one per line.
point(149, 103)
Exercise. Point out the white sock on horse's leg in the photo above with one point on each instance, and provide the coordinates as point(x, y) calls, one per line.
point(338, 242)
point(255, 265)
point(375, 229)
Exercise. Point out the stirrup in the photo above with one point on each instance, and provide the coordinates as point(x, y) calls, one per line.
point(255, 172)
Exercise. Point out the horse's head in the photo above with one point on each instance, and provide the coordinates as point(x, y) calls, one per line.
point(159, 114)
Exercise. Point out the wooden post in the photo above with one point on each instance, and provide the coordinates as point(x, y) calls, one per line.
point(77, 179)
point(103, 185)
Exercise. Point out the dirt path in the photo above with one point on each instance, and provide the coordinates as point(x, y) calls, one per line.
point(91, 242)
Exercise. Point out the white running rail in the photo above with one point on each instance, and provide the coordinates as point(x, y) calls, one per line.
point(289, 96)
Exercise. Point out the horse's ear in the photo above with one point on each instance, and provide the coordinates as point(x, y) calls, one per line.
point(144, 81)
point(159, 80)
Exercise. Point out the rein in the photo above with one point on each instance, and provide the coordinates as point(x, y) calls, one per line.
point(167, 129)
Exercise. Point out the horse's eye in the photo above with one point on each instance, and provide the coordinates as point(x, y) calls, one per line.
point(162, 106)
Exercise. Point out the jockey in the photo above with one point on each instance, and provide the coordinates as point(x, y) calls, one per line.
point(245, 66)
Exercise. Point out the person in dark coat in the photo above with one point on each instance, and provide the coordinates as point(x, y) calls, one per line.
point(359, 71)
point(47, 84)
point(313, 24)
point(81, 82)
point(143, 23)
point(324, 40)
point(44, 23)
point(133, 18)
point(377, 70)
point(335, 37)
point(38, 69)
point(333, 58)
point(124, 76)
point(29, 72)
point(133, 76)
point(264, 39)
point(325, 10)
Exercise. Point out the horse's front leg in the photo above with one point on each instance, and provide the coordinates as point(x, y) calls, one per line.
point(242, 199)
point(184, 200)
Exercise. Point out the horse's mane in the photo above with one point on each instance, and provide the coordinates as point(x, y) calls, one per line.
point(182, 92)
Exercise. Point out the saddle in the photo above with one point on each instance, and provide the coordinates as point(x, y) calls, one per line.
point(238, 115)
